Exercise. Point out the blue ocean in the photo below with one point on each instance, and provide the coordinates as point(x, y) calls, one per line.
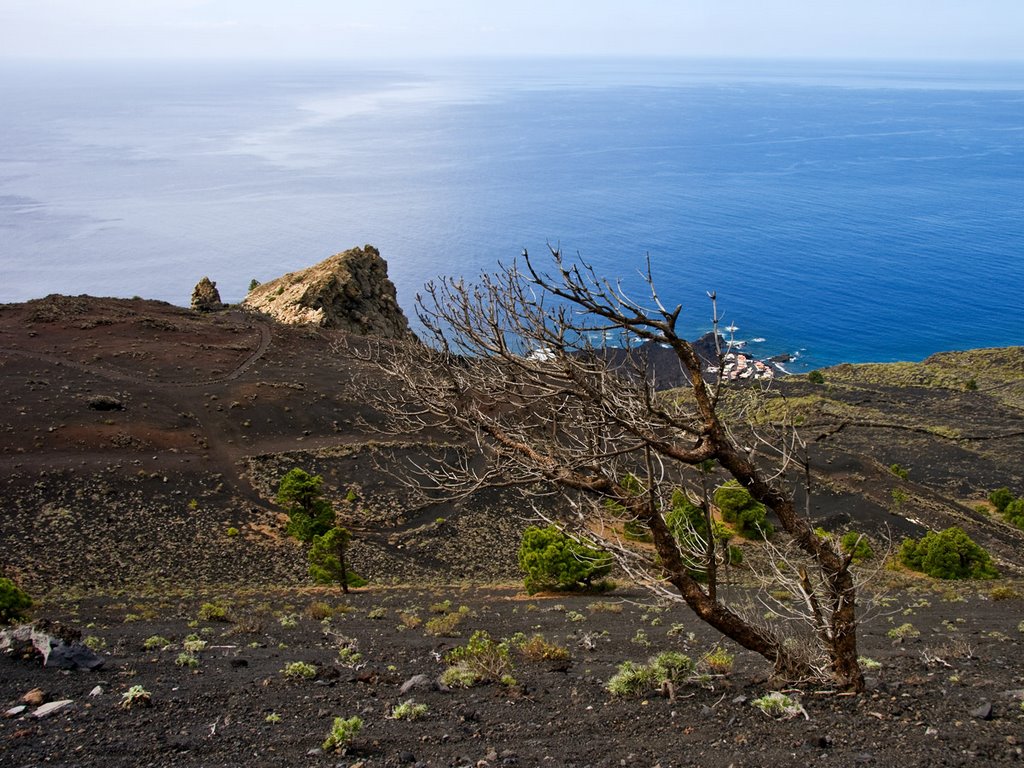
point(842, 211)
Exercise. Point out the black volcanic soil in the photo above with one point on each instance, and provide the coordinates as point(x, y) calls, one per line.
point(135, 434)
point(951, 696)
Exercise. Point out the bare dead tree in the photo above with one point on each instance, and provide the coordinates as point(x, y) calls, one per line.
point(517, 362)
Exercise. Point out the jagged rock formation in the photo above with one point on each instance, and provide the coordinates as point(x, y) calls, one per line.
point(206, 297)
point(349, 291)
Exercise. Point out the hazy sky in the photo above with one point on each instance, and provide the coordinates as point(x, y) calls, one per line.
point(947, 29)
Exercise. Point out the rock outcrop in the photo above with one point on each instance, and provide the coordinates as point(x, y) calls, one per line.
point(349, 291)
point(206, 297)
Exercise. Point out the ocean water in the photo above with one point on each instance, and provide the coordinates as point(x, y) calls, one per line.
point(848, 212)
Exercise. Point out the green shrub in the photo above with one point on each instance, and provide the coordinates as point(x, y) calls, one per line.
point(136, 696)
point(14, 602)
point(447, 625)
point(442, 607)
point(816, 377)
point(856, 544)
point(481, 660)
point(637, 679)
point(1000, 498)
point(186, 659)
point(343, 733)
point(155, 643)
point(1014, 513)
point(903, 631)
point(746, 514)
point(719, 661)
point(689, 527)
point(901, 472)
point(899, 498)
point(299, 670)
point(779, 705)
point(950, 554)
point(408, 710)
point(213, 612)
point(552, 560)
point(193, 644)
point(327, 559)
point(1004, 593)
point(309, 514)
point(537, 648)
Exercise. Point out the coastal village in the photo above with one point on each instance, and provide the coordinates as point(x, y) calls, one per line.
point(737, 365)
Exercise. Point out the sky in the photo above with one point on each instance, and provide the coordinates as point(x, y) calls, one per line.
point(395, 29)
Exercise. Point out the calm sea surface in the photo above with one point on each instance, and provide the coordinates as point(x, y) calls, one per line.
point(851, 212)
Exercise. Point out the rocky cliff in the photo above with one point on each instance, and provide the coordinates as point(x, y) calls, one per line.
point(349, 291)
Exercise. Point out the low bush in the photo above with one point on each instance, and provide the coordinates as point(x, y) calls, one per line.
point(155, 643)
point(1000, 498)
point(550, 559)
point(903, 632)
point(857, 545)
point(537, 648)
point(900, 471)
point(1004, 593)
point(186, 659)
point(136, 696)
point(299, 670)
point(447, 625)
point(779, 705)
point(343, 733)
point(637, 679)
point(408, 710)
point(718, 662)
point(481, 660)
point(950, 554)
point(213, 612)
point(14, 602)
point(748, 516)
point(1014, 513)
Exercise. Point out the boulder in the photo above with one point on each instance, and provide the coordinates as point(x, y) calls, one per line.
point(58, 652)
point(349, 291)
point(206, 297)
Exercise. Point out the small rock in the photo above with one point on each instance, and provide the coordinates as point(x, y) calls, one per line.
point(15, 711)
point(52, 708)
point(984, 712)
point(416, 682)
point(106, 403)
point(97, 691)
point(35, 697)
point(238, 663)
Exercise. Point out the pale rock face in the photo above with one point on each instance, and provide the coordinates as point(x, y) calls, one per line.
point(206, 297)
point(348, 291)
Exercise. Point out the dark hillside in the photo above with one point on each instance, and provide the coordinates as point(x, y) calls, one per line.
point(135, 434)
